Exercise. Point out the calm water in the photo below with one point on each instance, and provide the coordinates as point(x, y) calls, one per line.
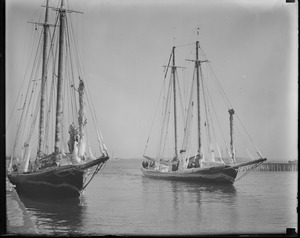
point(121, 201)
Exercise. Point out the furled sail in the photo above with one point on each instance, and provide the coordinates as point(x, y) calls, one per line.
point(26, 157)
point(81, 120)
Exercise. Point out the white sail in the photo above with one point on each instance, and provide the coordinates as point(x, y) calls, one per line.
point(63, 153)
point(105, 148)
point(91, 154)
point(212, 153)
point(25, 158)
point(75, 157)
point(81, 147)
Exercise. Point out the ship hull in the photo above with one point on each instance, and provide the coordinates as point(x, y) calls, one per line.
point(223, 175)
point(58, 182)
point(219, 174)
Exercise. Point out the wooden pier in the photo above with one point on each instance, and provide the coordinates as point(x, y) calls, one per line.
point(290, 166)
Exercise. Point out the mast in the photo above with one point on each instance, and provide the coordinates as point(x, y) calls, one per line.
point(62, 12)
point(198, 64)
point(43, 84)
point(231, 112)
point(174, 90)
point(81, 119)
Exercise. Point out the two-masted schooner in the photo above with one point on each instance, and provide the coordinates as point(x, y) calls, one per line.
point(54, 117)
point(187, 161)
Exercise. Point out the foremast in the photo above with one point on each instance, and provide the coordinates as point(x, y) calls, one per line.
point(59, 102)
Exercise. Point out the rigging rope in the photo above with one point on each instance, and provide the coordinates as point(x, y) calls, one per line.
point(76, 49)
point(230, 106)
point(25, 106)
point(222, 92)
point(187, 129)
point(33, 121)
point(165, 122)
point(23, 81)
point(159, 98)
point(88, 97)
point(249, 138)
point(206, 110)
point(179, 92)
point(216, 117)
point(95, 172)
point(51, 57)
point(74, 107)
point(53, 53)
point(248, 170)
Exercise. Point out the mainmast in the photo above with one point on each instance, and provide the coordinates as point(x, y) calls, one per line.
point(198, 64)
point(231, 112)
point(174, 90)
point(198, 72)
point(58, 126)
point(43, 84)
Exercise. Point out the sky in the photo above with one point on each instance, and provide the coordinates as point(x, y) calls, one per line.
point(252, 45)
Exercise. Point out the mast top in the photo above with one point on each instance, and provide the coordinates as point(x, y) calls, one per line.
point(62, 8)
point(231, 111)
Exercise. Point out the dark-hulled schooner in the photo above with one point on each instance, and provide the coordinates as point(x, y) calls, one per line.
point(54, 111)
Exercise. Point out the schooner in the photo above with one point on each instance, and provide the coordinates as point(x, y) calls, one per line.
point(54, 118)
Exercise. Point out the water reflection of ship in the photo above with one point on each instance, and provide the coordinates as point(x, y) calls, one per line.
point(57, 216)
point(198, 194)
point(197, 189)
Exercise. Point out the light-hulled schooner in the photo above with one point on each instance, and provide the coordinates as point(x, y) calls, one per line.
point(190, 151)
point(54, 118)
